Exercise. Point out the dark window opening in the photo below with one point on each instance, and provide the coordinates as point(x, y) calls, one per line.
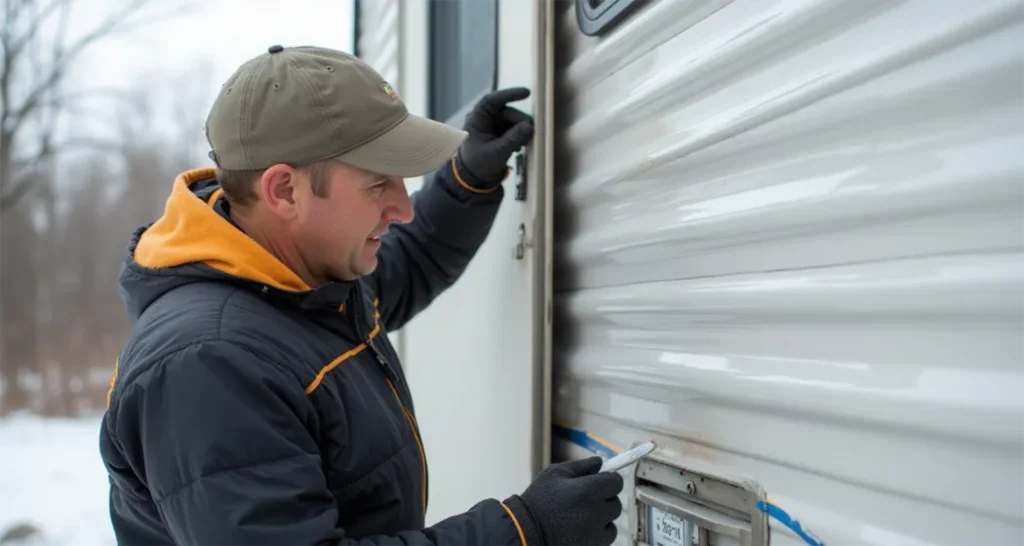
point(463, 56)
point(357, 12)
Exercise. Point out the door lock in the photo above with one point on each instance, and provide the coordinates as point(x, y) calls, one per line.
point(520, 159)
point(523, 244)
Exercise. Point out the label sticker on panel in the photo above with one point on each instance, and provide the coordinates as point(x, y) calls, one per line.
point(670, 530)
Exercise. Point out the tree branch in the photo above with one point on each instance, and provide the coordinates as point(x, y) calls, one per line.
point(50, 150)
point(63, 55)
point(15, 192)
point(21, 41)
point(22, 182)
point(63, 100)
point(13, 47)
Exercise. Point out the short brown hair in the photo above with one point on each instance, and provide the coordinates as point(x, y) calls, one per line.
point(239, 186)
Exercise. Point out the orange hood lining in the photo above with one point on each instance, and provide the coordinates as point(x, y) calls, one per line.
point(191, 231)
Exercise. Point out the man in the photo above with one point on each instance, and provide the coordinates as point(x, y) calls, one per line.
point(257, 400)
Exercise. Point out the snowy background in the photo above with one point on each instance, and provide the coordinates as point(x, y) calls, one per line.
point(52, 477)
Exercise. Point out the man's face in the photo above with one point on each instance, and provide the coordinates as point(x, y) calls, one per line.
point(338, 234)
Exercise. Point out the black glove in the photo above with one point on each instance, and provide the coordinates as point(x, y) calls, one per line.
point(570, 503)
point(495, 133)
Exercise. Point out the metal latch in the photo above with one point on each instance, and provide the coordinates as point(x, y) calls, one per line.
point(523, 244)
point(681, 501)
point(521, 176)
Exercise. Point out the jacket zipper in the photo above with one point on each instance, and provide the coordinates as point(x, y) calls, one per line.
point(392, 378)
point(357, 322)
point(419, 443)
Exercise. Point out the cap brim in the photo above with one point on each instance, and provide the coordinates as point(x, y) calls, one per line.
point(415, 147)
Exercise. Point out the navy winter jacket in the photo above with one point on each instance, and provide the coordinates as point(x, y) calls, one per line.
point(247, 408)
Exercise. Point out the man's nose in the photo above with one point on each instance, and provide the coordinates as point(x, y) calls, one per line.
point(399, 209)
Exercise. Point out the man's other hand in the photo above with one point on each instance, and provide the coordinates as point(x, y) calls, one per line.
point(496, 131)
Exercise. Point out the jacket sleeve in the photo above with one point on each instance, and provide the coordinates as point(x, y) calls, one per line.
point(222, 438)
point(419, 260)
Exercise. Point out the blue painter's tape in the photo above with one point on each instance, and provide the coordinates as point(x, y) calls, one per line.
point(586, 440)
point(782, 517)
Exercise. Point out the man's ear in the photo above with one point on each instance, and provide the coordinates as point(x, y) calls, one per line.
point(278, 189)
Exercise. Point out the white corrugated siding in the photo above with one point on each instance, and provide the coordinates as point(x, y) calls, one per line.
point(379, 32)
point(790, 240)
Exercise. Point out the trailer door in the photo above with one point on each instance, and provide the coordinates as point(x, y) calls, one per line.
point(474, 357)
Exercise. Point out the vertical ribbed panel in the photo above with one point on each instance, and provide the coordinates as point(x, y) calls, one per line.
point(790, 241)
point(379, 32)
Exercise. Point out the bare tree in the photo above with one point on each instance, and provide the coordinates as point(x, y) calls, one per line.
point(19, 314)
point(31, 82)
point(63, 320)
point(60, 317)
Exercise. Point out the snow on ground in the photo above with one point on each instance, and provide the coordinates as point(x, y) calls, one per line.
point(52, 477)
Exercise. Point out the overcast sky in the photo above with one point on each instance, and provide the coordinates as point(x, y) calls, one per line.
point(219, 36)
point(225, 32)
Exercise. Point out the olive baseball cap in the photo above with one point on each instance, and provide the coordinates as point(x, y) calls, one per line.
point(298, 105)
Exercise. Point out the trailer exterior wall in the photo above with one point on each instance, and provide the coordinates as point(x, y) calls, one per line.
point(469, 356)
point(789, 240)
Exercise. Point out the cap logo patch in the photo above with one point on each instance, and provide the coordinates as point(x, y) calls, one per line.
point(390, 91)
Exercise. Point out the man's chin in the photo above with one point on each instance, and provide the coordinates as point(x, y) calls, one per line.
point(368, 266)
point(354, 271)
